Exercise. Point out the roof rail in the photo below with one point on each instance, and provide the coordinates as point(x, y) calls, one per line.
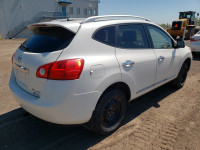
point(111, 17)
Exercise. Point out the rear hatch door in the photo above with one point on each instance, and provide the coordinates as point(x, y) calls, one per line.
point(45, 46)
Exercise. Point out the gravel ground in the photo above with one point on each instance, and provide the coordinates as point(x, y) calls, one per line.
point(165, 118)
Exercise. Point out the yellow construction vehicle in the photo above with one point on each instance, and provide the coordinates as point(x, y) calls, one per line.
point(185, 26)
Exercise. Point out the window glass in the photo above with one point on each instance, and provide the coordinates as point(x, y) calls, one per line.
point(90, 12)
point(47, 39)
point(106, 35)
point(188, 16)
point(132, 36)
point(160, 39)
point(78, 11)
point(85, 11)
point(71, 10)
point(94, 12)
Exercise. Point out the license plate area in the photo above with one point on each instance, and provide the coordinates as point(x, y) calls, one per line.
point(22, 77)
point(24, 81)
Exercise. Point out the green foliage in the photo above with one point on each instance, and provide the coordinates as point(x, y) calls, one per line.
point(197, 20)
point(165, 26)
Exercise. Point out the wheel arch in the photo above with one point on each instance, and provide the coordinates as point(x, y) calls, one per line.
point(188, 61)
point(117, 85)
point(121, 86)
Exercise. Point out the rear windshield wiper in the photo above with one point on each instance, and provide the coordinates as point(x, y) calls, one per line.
point(24, 46)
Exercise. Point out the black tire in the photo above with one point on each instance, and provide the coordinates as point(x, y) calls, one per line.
point(190, 33)
point(109, 113)
point(180, 80)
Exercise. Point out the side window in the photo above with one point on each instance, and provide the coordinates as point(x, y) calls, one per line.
point(159, 38)
point(106, 35)
point(132, 36)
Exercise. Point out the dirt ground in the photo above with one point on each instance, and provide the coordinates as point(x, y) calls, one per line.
point(165, 118)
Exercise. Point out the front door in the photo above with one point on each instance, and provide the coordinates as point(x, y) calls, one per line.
point(167, 57)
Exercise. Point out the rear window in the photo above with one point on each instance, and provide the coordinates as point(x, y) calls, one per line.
point(47, 39)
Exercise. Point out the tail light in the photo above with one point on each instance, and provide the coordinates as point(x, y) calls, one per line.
point(193, 40)
point(69, 69)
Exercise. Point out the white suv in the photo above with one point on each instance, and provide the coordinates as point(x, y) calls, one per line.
point(85, 72)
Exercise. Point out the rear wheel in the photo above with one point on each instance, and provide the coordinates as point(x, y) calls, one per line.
point(180, 80)
point(109, 113)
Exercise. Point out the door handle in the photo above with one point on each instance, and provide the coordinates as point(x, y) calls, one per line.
point(128, 63)
point(161, 58)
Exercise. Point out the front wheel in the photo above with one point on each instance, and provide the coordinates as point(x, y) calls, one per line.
point(180, 80)
point(109, 113)
point(189, 34)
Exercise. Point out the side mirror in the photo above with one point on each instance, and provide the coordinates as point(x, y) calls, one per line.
point(197, 14)
point(180, 43)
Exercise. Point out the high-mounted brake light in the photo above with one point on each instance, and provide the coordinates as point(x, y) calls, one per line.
point(69, 69)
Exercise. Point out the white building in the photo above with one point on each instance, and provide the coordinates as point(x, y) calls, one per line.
point(15, 15)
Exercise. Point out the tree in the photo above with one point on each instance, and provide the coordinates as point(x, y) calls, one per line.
point(165, 26)
point(197, 21)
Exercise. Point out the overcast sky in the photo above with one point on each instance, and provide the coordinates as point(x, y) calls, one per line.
point(159, 11)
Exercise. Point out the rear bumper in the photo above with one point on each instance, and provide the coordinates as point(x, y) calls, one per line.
point(68, 108)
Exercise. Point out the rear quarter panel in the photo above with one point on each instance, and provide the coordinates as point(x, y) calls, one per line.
point(96, 55)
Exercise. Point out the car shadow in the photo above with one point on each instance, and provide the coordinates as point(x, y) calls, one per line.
point(20, 130)
point(196, 56)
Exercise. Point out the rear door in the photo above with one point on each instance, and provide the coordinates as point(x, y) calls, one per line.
point(136, 59)
point(168, 58)
point(43, 47)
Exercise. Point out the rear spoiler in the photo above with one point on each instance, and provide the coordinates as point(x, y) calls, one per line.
point(73, 27)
